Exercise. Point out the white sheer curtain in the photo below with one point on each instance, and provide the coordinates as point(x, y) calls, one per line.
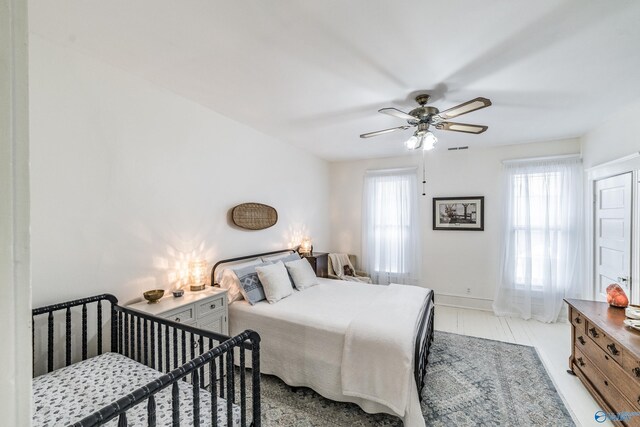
point(542, 260)
point(390, 226)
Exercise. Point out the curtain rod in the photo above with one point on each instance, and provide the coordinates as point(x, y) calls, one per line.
point(392, 170)
point(538, 159)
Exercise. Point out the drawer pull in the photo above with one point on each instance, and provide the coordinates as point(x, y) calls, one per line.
point(581, 340)
point(581, 362)
point(578, 320)
point(178, 319)
point(612, 348)
point(636, 372)
point(212, 306)
point(594, 333)
point(196, 344)
point(606, 383)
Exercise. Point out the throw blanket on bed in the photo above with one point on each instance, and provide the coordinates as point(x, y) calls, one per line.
point(338, 264)
point(377, 361)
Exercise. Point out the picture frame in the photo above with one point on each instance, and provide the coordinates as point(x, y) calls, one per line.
point(458, 213)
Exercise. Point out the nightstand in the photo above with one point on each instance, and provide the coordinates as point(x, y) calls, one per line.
point(319, 262)
point(206, 309)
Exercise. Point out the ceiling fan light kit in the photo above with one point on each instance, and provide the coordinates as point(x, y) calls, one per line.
point(425, 116)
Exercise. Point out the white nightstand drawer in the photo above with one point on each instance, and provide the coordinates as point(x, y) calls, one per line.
point(181, 315)
point(215, 322)
point(208, 307)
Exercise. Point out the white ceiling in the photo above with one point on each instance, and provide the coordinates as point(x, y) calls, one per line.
point(314, 73)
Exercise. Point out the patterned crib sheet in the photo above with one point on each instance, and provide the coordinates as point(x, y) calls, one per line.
point(69, 394)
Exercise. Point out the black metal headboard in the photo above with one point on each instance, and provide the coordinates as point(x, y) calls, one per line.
point(240, 258)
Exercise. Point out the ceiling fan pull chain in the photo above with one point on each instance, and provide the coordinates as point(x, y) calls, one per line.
point(424, 175)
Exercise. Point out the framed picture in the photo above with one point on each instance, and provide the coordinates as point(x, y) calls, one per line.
point(458, 213)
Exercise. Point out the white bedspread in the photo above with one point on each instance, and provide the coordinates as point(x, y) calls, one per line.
point(303, 337)
point(377, 361)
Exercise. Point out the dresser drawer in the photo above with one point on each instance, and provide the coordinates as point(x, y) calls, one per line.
point(214, 322)
point(181, 315)
point(631, 366)
point(578, 320)
point(209, 306)
point(604, 342)
point(605, 388)
point(611, 370)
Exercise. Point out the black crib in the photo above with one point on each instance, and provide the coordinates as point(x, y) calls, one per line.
point(183, 353)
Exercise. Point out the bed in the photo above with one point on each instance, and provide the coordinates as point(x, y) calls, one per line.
point(305, 338)
point(139, 370)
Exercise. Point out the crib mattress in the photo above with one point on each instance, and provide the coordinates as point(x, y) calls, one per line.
point(69, 394)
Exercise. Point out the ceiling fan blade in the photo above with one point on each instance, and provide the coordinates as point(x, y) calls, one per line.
point(461, 127)
point(397, 113)
point(464, 108)
point(381, 132)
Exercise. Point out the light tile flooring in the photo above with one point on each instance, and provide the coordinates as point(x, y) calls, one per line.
point(551, 340)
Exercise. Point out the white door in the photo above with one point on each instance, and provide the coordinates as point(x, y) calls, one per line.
point(613, 233)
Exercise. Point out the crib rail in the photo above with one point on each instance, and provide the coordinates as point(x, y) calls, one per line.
point(50, 311)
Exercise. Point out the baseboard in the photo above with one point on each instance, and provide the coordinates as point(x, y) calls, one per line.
point(463, 301)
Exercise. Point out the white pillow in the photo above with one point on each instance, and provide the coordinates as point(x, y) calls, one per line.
point(302, 274)
point(235, 266)
point(228, 279)
point(275, 281)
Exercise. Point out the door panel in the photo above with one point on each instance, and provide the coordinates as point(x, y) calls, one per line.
point(613, 233)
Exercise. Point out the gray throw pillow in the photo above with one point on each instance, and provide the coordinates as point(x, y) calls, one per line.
point(250, 285)
point(291, 257)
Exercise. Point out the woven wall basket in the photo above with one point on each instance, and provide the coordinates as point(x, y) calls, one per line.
point(254, 216)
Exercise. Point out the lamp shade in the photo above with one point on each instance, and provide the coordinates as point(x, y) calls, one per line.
point(197, 272)
point(305, 246)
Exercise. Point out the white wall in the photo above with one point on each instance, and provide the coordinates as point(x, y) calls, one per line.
point(129, 180)
point(614, 138)
point(453, 261)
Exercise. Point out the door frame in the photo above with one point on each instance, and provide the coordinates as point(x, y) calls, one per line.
point(626, 164)
point(15, 304)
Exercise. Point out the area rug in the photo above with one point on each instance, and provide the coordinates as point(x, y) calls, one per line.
point(470, 382)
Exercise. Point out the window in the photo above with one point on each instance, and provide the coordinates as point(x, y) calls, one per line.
point(390, 226)
point(542, 246)
point(536, 232)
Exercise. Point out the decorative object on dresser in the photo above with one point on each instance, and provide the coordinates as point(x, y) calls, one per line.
point(320, 263)
point(305, 248)
point(205, 309)
point(254, 216)
point(144, 371)
point(153, 296)
point(616, 296)
point(605, 355)
point(458, 213)
point(197, 274)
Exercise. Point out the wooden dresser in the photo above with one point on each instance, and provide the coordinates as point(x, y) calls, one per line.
point(605, 355)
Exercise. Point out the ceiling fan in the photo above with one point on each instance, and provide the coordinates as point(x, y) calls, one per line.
point(424, 116)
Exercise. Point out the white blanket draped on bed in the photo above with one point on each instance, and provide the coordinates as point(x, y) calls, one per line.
point(377, 359)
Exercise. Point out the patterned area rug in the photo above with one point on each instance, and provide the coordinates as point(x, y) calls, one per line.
point(470, 382)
